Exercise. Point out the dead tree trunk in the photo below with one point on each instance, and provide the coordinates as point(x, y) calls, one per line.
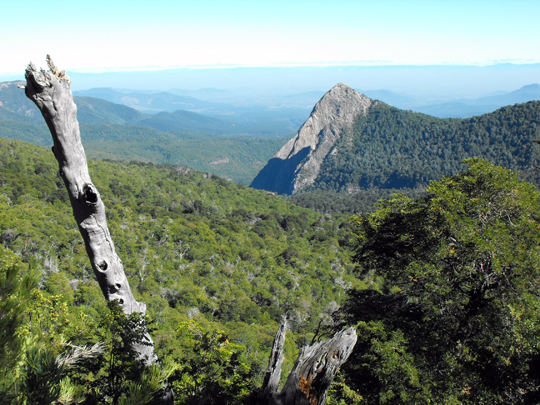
point(51, 92)
point(312, 373)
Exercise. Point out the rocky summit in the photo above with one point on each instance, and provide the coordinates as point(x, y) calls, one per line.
point(297, 164)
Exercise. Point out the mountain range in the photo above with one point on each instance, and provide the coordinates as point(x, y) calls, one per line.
point(464, 108)
point(448, 107)
point(351, 144)
point(150, 102)
point(444, 80)
point(239, 106)
point(168, 116)
point(117, 132)
point(176, 111)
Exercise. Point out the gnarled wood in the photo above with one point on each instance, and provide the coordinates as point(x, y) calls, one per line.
point(273, 372)
point(51, 92)
point(313, 371)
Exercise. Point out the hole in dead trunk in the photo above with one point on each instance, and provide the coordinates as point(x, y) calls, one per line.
point(90, 196)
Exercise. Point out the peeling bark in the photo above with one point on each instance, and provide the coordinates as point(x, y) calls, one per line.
point(312, 373)
point(51, 92)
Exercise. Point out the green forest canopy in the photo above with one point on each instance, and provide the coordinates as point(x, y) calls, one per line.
point(217, 261)
point(445, 300)
point(195, 247)
point(392, 150)
point(451, 314)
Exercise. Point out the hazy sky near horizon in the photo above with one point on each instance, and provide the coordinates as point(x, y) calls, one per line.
point(119, 35)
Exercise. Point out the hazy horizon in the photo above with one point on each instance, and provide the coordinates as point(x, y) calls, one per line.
point(427, 81)
point(122, 35)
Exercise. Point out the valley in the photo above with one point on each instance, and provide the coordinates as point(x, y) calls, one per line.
point(236, 139)
point(196, 248)
point(220, 264)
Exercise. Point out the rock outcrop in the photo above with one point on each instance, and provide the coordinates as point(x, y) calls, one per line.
point(297, 164)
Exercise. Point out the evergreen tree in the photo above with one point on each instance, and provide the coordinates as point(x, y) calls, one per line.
point(452, 312)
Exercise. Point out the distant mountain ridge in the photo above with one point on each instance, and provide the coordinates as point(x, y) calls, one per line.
point(248, 117)
point(146, 102)
point(14, 104)
point(117, 132)
point(444, 107)
point(226, 104)
point(464, 108)
point(97, 111)
point(522, 95)
point(360, 144)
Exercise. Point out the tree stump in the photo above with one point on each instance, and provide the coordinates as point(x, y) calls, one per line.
point(312, 373)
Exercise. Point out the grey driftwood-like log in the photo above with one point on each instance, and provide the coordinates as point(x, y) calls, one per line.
point(51, 92)
point(312, 373)
point(273, 372)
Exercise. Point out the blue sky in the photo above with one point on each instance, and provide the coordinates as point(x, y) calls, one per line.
point(140, 35)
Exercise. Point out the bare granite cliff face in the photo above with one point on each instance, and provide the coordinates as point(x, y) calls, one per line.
point(297, 164)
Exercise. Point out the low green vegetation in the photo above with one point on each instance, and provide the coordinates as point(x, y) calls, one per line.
point(218, 265)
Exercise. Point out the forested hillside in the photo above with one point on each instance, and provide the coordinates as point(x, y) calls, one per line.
point(391, 150)
point(451, 312)
point(236, 151)
point(219, 264)
point(442, 289)
point(196, 248)
point(236, 158)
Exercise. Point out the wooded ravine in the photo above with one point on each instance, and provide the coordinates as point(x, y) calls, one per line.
point(442, 289)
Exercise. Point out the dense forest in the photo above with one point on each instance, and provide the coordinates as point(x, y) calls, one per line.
point(442, 288)
point(201, 251)
point(391, 149)
point(451, 312)
point(238, 158)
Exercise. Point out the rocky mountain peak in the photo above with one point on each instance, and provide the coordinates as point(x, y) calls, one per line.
point(337, 108)
point(297, 164)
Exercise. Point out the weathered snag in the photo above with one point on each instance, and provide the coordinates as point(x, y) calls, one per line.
point(312, 373)
point(51, 92)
